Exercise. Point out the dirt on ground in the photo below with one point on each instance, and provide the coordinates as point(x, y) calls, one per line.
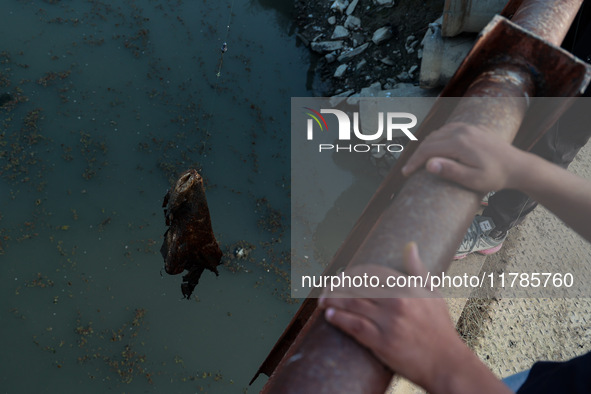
point(396, 58)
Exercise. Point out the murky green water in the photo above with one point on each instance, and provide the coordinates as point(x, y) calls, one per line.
point(111, 100)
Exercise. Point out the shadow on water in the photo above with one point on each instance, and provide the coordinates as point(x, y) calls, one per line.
point(283, 10)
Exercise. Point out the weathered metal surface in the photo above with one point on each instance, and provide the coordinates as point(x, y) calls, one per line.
point(555, 72)
point(511, 8)
point(549, 20)
point(428, 210)
point(189, 243)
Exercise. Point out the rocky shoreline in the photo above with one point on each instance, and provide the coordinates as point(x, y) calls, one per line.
point(364, 46)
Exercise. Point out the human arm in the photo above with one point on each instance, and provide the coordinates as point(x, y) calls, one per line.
point(410, 331)
point(482, 162)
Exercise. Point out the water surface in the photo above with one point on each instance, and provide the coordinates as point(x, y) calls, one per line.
point(111, 101)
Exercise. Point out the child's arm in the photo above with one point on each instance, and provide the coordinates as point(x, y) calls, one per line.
point(480, 161)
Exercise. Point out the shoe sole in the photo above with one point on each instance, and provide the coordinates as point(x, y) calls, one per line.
point(484, 252)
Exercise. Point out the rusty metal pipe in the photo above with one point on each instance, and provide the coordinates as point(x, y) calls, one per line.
point(547, 19)
point(325, 360)
point(445, 209)
point(432, 212)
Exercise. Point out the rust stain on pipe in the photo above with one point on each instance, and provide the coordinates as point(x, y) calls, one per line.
point(547, 19)
point(324, 360)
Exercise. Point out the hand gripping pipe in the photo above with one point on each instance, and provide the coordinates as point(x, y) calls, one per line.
point(432, 212)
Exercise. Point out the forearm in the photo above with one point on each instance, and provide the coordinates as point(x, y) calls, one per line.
point(567, 195)
point(462, 372)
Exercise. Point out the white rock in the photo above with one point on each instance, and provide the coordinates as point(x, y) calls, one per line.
point(332, 20)
point(411, 43)
point(346, 55)
point(339, 32)
point(351, 7)
point(346, 93)
point(412, 46)
point(326, 46)
point(318, 37)
point(339, 5)
point(381, 35)
point(408, 90)
point(352, 22)
point(403, 76)
point(371, 91)
point(387, 3)
point(387, 61)
point(361, 64)
point(340, 71)
point(412, 70)
point(340, 98)
point(331, 57)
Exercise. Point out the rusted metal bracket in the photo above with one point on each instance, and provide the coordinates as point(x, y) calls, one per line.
point(507, 63)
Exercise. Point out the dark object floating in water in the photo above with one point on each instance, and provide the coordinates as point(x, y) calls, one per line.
point(189, 243)
point(4, 98)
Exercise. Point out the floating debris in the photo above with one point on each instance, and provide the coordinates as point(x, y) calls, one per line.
point(270, 219)
point(189, 243)
point(40, 281)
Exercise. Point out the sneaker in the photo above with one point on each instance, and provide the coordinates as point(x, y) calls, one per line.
point(481, 238)
point(484, 201)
